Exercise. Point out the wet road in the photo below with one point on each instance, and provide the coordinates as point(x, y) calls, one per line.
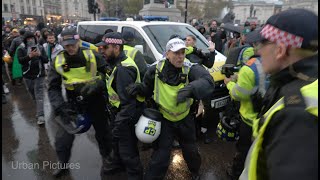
point(28, 150)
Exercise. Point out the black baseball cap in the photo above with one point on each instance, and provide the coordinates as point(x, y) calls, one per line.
point(128, 36)
point(111, 38)
point(69, 36)
point(253, 36)
point(294, 27)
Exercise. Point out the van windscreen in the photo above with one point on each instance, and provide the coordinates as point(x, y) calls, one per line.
point(160, 34)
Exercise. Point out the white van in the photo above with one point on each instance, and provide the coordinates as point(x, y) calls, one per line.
point(151, 39)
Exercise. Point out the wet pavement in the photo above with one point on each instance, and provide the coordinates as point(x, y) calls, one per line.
point(28, 150)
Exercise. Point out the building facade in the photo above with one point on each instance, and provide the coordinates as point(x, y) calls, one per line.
point(262, 10)
point(311, 5)
point(18, 12)
point(75, 10)
point(23, 12)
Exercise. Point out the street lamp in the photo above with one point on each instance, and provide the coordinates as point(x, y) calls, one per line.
point(186, 12)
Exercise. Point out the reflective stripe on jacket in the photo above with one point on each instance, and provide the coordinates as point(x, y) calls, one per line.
point(246, 86)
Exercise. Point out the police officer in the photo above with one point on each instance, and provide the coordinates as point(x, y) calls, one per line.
point(247, 87)
point(133, 53)
point(286, 135)
point(122, 71)
point(81, 71)
point(174, 83)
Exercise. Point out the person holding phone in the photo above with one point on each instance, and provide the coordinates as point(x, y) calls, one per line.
point(32, 58)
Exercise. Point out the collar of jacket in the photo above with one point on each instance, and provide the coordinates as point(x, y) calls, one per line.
point(307, 66)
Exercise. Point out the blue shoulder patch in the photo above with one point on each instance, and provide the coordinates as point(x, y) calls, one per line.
point(85, 44)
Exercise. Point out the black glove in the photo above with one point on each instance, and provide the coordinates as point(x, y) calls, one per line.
point(92, 88)
point(184, 94)
point(135, 89)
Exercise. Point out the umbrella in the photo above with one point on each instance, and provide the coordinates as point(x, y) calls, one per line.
point(232, 28)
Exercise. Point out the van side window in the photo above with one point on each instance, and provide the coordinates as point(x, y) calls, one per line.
point(93, 34)
point(139, 40)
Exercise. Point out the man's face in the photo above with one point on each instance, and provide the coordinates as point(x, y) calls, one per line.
point(190, 42)
point(109, 50)
point(72, 49)
point(15, 34)
point(7, 30)
point(51, 39)
point(267, 51)
point(253, 27)
point(176, 58)
point(214, 24)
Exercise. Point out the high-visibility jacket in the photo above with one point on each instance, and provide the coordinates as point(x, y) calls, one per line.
point(310, 97)
point(113, 96)
point(130, 51)
point(166, 96)
point(86, 74)
point(250, 78)
point(88, 45)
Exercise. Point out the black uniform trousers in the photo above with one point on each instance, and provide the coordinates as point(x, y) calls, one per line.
point(96, 110)
point(125, 147)
point(184, 130)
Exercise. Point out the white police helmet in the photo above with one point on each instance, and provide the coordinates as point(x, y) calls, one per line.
point(149, 125)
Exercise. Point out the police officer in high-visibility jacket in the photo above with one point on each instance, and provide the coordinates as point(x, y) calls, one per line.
point(286, 135)
point(122, 71)
point(247, 87)
point(174, 83)
point(81, 71)
point(135, 54)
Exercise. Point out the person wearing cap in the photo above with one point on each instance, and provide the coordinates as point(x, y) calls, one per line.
point(247, 87)
point(82, 72)
point(122, 71)
point(286, 133)
point(32, 58)
point(174, 83)
point(135, 54)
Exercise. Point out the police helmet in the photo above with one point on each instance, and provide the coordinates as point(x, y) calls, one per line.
point(227, 129)
point(149, 125)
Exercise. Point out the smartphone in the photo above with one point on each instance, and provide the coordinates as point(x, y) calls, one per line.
point(33, 48)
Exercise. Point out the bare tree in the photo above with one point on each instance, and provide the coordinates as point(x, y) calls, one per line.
point(213, 8)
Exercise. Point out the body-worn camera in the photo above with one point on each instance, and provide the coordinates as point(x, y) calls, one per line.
point(229, 69)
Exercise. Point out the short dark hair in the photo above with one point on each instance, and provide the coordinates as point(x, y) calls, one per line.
point(193, 37)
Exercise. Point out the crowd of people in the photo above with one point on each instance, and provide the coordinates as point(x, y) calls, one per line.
point(110, 86)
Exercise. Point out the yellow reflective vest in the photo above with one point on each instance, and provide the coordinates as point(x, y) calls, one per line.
point(310, 95)
point(166, 96)
point(113, 96)
point(130, 51)
point(80, 75)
